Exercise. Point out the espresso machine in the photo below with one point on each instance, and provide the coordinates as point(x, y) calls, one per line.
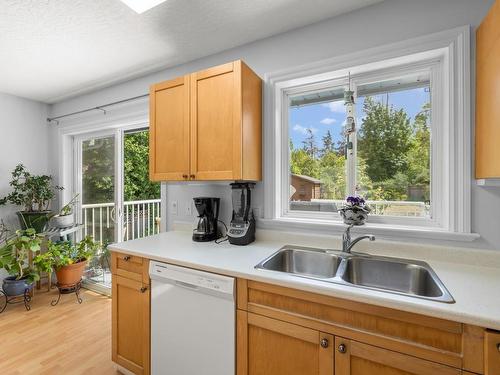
point(206, 228)
point(242, 227)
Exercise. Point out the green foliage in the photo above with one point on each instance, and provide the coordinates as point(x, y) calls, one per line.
point(32, 192)
point(136, 165)
point(419, 154)
point(384, 140)
point(309, 144)
point(303, 163)
point(333, 175)
point(62, 254)
point(98, 169)
point(14, 254)
point(393, 155)
point(328, 145)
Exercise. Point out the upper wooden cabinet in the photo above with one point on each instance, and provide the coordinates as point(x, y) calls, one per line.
point(169, 130)
point(488, 95)
point(207, 126)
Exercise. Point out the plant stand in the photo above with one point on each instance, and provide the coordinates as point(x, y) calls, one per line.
point(68, 289)
point(11, 300)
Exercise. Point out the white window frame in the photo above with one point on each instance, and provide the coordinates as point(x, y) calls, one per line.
point(447, 56)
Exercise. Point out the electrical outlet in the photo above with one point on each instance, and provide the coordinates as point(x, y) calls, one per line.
point(257, 211)
point(173, 207)
point(189, 210)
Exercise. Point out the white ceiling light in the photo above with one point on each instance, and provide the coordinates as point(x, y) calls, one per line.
point(140, 6)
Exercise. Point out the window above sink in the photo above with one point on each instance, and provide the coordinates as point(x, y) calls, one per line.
point(408, 153)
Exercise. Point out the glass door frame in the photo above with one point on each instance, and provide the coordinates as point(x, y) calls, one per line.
point(117, 135)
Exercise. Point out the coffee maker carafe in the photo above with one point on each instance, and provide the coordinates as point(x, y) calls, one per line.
point(242, 227)
point(208, 215)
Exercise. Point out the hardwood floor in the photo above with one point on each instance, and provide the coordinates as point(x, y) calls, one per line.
point(57, 340)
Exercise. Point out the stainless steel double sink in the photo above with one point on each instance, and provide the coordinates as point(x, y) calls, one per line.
point(394, 275)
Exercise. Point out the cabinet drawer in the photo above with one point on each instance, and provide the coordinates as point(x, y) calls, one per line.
point(130, 266)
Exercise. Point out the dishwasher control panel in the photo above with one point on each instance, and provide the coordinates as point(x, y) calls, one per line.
point(190, 278)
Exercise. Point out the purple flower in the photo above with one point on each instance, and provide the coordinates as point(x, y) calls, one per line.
point(355, 201)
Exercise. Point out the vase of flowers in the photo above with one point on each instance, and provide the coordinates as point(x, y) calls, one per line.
point(355, 211)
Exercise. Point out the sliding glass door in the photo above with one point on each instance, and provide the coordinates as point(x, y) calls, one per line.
point(117, 200)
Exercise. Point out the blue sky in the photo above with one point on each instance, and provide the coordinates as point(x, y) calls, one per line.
point(330, 116)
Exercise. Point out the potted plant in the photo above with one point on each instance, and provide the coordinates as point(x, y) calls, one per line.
point(14, 258)
point(33, 193)
point(355, 211)
point(65, 218)
point(68, 260)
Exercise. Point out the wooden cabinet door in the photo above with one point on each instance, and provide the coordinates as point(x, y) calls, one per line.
point(267, 346)
point(216, 123)
point(492, 353)
point(169, 130)
point(355, 358)
point(488, 95)
point(131, 331)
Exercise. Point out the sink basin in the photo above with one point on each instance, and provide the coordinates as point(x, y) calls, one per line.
point(393, 275)
point(401, 276)
point(312, 263)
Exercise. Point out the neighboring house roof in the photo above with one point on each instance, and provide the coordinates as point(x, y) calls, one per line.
point(308, 178)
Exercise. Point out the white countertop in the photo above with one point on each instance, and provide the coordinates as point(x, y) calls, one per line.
point(472, 278)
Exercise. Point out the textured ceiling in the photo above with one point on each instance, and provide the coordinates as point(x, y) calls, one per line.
point(54, 49)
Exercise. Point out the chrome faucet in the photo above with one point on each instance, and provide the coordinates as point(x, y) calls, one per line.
point(348, 243)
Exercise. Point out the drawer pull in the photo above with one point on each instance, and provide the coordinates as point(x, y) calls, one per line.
point(324, 343)
point(126, 258)
point(184, 176)
point(192, 176)
point(498, 346)
point(143, 289)
point(342, 348)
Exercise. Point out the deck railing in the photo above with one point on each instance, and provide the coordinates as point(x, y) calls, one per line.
point(140, 219)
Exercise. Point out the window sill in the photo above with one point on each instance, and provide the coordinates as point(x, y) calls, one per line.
point(385, 231)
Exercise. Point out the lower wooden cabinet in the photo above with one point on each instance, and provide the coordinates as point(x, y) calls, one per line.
point(492, 353)
point(268, 346)
point(355, 358)
point(288, 331)
point(131, 324)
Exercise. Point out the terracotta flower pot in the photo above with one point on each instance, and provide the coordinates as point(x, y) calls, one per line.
point(71, 274)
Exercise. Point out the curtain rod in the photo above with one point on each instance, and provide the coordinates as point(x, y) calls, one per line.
point(98, 108)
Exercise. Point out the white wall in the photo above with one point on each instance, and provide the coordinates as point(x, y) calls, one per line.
point(387, 22)
point(24, 138)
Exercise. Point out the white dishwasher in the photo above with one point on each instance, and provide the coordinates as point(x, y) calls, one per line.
point(192, 321)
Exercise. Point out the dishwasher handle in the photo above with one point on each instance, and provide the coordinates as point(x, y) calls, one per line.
point(182, 284)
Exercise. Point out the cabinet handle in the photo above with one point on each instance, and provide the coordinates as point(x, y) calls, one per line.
point(498, 346)
point(342, 348)
point(192, 176)
point(143, 289)
point(324, 343)
point(185, 176)
point(126, 258)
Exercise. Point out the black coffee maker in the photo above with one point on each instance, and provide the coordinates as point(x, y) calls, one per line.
point(208, 216)
point(242, 227)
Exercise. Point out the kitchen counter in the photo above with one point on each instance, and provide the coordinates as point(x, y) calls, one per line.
point(472, 277)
